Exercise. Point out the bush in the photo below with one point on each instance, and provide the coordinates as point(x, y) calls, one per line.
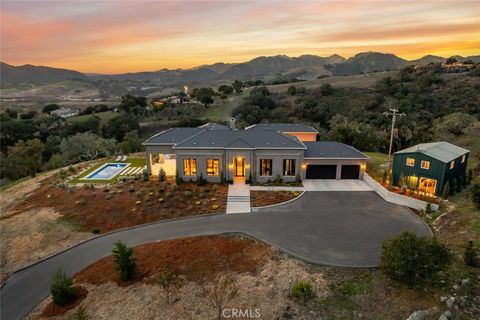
point(162, 175)
point(146, 175)
point(174, 187)
point(178, 179)
point(222, 177)
point(471, 255)
point(413, 260)
point(302, 290)
point(62, 174)
point(126, 264)
point(475, 192)
point(201, 180)
point(96, 231)
point(62, 289)
point(80, 314)
point(188, 193)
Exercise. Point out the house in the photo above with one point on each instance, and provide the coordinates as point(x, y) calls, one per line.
point(428, 167)
point(65, 113)
point(215, 151)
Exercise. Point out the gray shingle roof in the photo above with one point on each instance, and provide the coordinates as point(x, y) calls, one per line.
point(214, 126)
point(173, 136)
point(332, 150)
point(442, 151)
point(241, 139)
point(282, 127)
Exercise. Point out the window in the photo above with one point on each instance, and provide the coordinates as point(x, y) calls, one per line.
point(425, 165)
point(212, 167)
point(265, 167)
point(189, 167)
point(452, 164)
point(410, 162)
point(463, 158)
point(289, 167)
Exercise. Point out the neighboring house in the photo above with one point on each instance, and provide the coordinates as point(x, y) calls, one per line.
point(262, 155)
point(65, 113)
point(428, 167)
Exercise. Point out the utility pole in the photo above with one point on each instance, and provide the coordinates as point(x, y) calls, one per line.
point(394, 113)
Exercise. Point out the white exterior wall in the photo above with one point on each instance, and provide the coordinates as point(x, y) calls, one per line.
point(277, 156)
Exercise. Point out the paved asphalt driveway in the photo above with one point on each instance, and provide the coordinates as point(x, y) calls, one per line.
point(331, 228)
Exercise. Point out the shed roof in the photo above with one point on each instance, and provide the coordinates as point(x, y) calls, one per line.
point(332, 150)
point(240, 139)
point(442, 151)
point(282, 127)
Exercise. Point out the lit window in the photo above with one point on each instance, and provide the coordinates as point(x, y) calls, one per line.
point(189, 167)
point(265, 167)
point(212, 167)
point(289, 167)
point(410, 162)
point(452, 164)
point(463, 158)
point(425, 165)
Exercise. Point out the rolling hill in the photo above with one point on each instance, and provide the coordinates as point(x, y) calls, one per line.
point(29, 74)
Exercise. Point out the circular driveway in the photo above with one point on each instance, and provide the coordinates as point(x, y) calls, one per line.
point(343, 229)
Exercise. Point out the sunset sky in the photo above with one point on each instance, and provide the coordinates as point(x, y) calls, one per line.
point(125, 36)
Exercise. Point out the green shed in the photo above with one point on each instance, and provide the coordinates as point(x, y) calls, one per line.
point(427, 167)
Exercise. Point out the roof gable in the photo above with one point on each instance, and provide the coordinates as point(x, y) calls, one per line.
point(239, 144)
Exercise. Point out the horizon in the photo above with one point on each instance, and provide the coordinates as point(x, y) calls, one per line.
point(131, 36)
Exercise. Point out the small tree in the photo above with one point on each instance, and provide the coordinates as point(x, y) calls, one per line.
point(80, 314)
point(166, 280)
point(162, 175)
point(302, 290)
point(475, 192)
point(292, 90)
point(470, 255)
point(413, 260)
point(126, 264)
point(201, 180)
point(178, 179)
point(221, 292)
point(62, 289)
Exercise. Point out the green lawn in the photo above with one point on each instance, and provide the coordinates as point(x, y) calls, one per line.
point(134, 162)
point(104, 116)
point(221, 109)
point(374, 168)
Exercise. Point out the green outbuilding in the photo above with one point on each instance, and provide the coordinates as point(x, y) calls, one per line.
point(428, 167)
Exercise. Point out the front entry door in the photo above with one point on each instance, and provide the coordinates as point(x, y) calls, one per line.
point(239, 167)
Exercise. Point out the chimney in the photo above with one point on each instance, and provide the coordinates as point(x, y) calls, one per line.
point(232, 124)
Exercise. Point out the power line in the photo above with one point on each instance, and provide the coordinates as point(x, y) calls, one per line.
point(394, 113)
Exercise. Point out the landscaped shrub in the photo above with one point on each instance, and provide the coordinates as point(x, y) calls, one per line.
point(62, 174)
point(278, 180)
point(126, 264)
point(146, 175)
point(71, 169)
point(62, 289)
point(174, 187)
point(188, 193)
point(96, 231)
point(162, 175)
point(298, 179)
point(178, 179)
point(131, 188)
point(413, 260)
point(470, 255)
point(201, 180)
point(222, 177)
point(302, 290)
point(214, 188)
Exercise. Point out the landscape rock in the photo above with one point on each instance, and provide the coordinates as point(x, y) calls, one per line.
point(448, 314)
point(418, 315)
point(443, 317)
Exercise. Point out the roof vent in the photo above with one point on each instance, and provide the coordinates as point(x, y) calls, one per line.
point(194, 143)
point(268, 143)
point(284, 144)
point(213, 143)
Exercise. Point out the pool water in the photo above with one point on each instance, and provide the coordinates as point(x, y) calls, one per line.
point(107, 171)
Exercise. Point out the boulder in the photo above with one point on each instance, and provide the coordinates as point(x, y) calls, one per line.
point(418, 315)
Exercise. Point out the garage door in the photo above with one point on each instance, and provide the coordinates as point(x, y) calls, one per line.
point(350, 172)
point(321, 171)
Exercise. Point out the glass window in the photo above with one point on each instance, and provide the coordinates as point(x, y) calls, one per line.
point(452, 164)
point(463, 158)
point(189, 167)
point(410, 162)
point(212, 167)
point(265, 167)
point(289, 167)
point(425, 165)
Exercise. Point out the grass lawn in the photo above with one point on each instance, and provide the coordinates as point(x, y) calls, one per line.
point(221, 109)
point(134, 162)
point(374, 168)
point(104, 116)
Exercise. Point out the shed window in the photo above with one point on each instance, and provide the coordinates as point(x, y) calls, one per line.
point(265, 167)
point(289, 167)
point(425, 165)
point(189, 167)
point(463, 158)
point(410, 162)
point(452, 164)
point(212, 167)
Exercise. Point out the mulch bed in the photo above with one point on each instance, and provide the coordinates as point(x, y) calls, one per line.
point(126, 204)
point(266, 198)
point(52, 310)
point(194, 258)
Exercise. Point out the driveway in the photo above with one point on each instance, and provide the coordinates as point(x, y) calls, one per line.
point(336, 185)
point(331, 228)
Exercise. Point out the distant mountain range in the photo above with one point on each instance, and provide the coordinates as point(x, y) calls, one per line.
point(263, 68)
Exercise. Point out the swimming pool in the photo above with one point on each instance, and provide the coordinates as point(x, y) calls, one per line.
point(107, 171)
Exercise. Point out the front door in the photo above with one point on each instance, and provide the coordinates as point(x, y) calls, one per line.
point(239, 167)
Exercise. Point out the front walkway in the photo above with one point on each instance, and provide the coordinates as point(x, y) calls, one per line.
point(238, 199)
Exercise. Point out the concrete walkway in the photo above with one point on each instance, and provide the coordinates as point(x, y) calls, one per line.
point(238, 199)
point(336, 185)
point(330, 228)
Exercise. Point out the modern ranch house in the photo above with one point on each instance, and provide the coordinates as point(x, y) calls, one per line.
point(261, 152)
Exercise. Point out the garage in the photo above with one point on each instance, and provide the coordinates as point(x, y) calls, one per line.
point(350, 171)
point(321, 171)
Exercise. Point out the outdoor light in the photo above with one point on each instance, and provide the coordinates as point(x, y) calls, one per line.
point(247, 166)
point(304, 166)
point(230, 165)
